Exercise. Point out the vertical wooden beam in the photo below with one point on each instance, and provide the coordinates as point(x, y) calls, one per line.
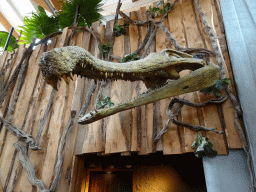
point(7, 25)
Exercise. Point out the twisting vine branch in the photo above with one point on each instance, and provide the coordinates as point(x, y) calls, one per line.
point(20, 134)
point(23, 157)
point(181, 103)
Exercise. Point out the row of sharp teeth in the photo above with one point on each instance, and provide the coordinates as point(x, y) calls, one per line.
point(65, 77)
point(111, 74)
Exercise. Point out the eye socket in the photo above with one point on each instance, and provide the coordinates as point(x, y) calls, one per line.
point(176, 54)
point(172, 54)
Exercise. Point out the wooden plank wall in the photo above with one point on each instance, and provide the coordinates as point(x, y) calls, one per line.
point(129, 131)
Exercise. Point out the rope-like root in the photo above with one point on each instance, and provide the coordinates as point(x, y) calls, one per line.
point(20, 134)
point(23, 157)
point(181, 103)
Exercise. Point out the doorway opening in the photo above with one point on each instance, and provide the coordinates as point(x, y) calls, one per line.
point(154, 172)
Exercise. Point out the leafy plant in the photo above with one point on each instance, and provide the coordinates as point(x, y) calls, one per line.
point(130, 57)
point(157, 11)
point(88, 12)
point(105, 48)
point(3, 37)
point(217, 87)
point(120, 29)
point(38, 26)
point(104, 102)
point(203, 147)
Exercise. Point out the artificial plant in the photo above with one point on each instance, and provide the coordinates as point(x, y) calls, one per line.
point(203, 148)
point(105, 48)
point(157, 11)
point(38, 26)
point(217, 87)
point(88, 12)
point(120, 29)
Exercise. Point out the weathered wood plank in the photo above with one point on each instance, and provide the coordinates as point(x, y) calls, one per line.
point(174, 138)
point(82, 91)
point(134, 36)
point(28, 122)
point(95, 134)
point(116, 139)
point(147, 127)
point(55, 125)
point(21, 109)
point(8, 152)
point(160, 116)
point(20, 181)
point(211, 118)
point(69, 148)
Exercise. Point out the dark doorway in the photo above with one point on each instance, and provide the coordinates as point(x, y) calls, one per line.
point(116, 181)
point(130, 173)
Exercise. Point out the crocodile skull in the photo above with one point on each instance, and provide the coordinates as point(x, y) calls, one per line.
point(154, 71)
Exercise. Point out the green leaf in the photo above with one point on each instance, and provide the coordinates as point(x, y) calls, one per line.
point(167, 6)
point(227, 81)
point(38, 25)
point(159, 3)
point(156, 14)
point(4, 36)
point(150, 8)
point(155, 9)
point(161, 11)
point(88, 12)
point(194, 144)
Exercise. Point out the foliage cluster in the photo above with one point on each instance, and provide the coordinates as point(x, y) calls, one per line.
point(88, 12)
point(130, 57)
point(203, 147)
point(105, 48)
point(104, 102)
point(120, 29)
point(40, 24)
point(157, 11)
point(217, 87)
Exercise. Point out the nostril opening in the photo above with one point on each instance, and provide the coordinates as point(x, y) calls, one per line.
point(186, 87)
